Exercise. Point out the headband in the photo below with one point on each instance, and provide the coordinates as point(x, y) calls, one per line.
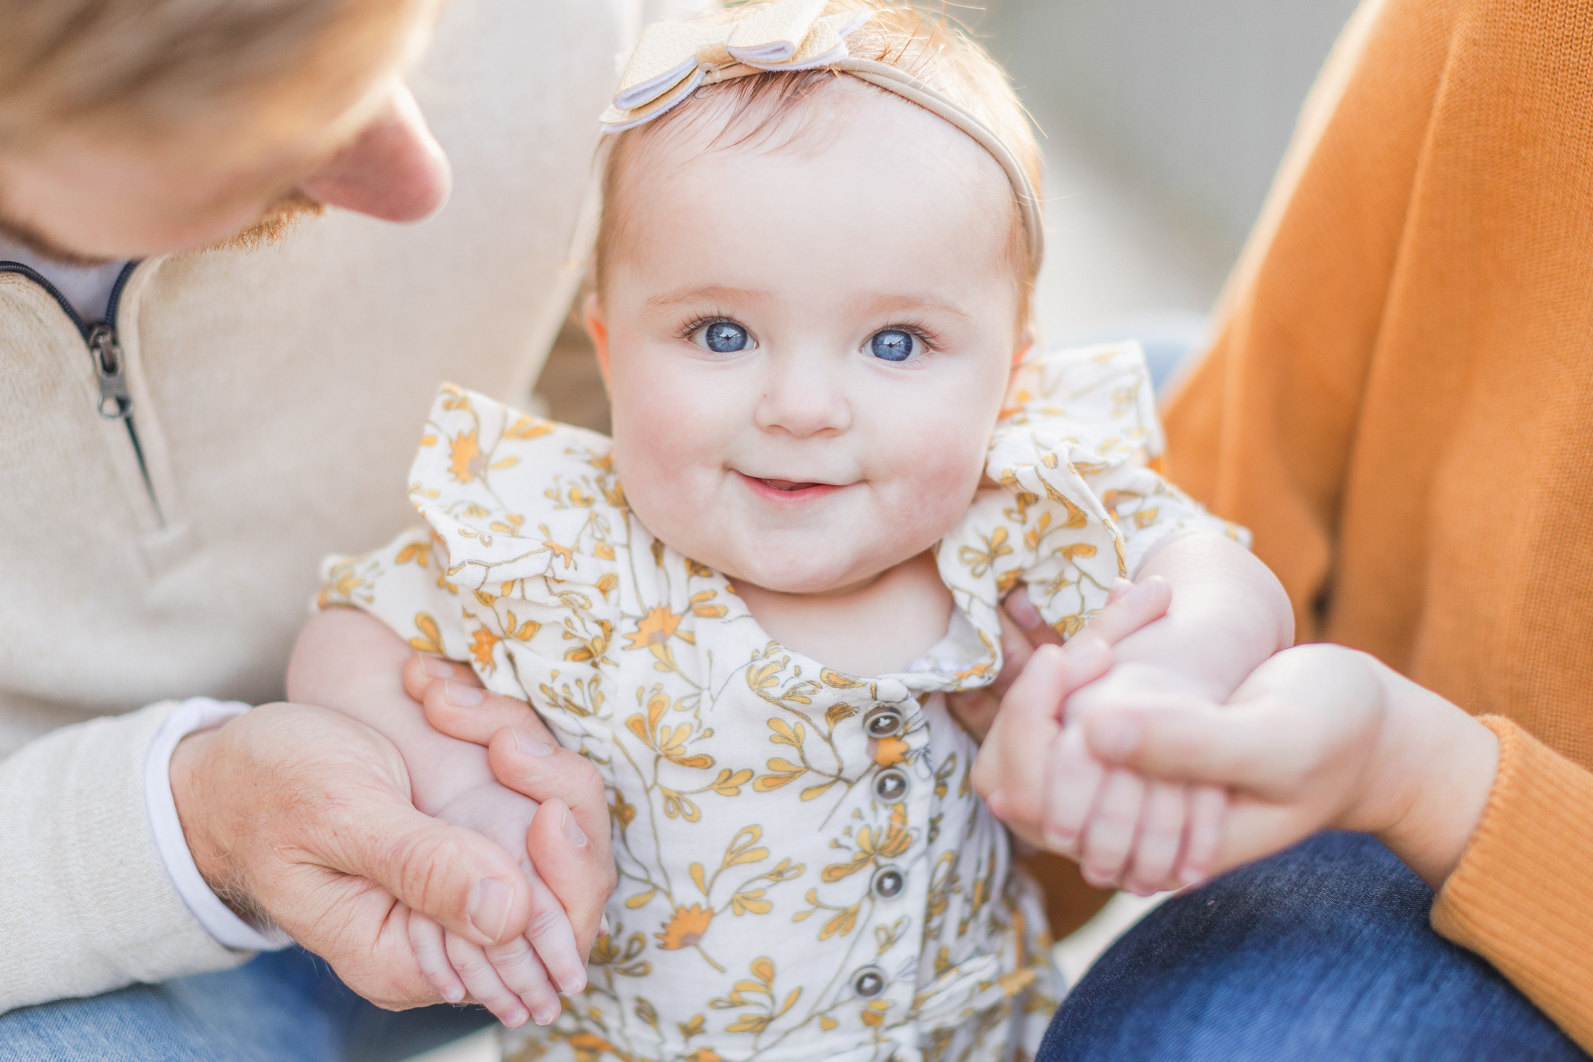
point(674, 58)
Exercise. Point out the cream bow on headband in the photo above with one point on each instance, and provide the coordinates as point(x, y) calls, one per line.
point(674, 58)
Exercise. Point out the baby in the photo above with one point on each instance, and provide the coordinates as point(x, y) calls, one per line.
point(833, 454)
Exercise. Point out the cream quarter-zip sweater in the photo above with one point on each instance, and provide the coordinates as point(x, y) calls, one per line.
point(274, 395)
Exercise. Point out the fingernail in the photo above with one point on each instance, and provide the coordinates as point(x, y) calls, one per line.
point(489, 907)
point(1190, 876)
point(1114, 736)
point(602, 927)
point(463, 696)
point(1023, 612)
point(454, 994)
point(515, 1019)
point(530, 745)
point(572, 832)
point(435, 667)
point(574, 986)
point(545, 1015)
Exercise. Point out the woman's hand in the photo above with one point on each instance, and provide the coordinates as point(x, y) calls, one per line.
point(1319, 737)
point(1019, 717)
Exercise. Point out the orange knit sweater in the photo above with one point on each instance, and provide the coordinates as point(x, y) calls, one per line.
point(1400, 405)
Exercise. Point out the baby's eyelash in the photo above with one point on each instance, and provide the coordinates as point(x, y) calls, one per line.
point(919, 331)
point(702, 321)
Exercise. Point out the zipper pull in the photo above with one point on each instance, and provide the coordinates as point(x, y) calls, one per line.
point(115, 401)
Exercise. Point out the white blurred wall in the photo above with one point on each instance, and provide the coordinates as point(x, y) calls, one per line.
point(1165, 121)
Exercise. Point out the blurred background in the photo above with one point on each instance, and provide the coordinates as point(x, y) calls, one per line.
point(1163, 122)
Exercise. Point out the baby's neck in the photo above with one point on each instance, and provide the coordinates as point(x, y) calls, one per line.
point(876, 628)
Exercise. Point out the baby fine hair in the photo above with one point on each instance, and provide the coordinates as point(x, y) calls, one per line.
point(773, 110)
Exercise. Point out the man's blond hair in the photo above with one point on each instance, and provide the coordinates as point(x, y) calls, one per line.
point(927, 45)
point(150, 68)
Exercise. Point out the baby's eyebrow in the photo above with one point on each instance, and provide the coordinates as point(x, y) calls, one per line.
point(701, 294)
point(875, 300)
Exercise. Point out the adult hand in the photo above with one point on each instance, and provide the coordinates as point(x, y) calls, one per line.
point(524, 757)
point(1037, 678)
point(303, 816)
point(1320, 737)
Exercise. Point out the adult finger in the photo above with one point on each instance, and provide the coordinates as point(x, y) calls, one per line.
point(1109, 835)
point(1160, 838)
point(1072, 783)
point(1012, 759)
point(1022, 612)
point(569, 845)
point(453, 875)
point(1208, 807)
point(421, 670)
point(1250, 746)
point(470, 713)
point(1133, 608)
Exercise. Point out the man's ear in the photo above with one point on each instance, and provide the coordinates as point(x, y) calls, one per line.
point(592, 315)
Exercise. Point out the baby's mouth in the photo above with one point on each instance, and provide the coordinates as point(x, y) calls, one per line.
point(789, 490)
point(789, 484)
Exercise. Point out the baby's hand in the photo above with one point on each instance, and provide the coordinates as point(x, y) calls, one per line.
point(518, 978)
point(1126, 832)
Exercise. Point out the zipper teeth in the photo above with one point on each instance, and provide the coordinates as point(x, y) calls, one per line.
point(86, 329)
point(83, 327)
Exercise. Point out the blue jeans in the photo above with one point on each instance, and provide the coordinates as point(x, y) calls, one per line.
point(1322, 952)
point(287, 1006)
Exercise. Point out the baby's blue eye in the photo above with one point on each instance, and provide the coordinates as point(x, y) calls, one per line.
point(725, 337)
point(893, 345)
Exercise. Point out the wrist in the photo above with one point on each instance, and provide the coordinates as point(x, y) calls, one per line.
point(192, 763)
point(1436, 766)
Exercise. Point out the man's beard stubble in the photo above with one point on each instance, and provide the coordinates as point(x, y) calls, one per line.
point(279, 219)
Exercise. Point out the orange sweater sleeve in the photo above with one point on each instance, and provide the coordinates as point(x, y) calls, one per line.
point(1522, 896)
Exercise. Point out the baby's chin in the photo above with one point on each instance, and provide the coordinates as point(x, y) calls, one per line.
point(808, 575)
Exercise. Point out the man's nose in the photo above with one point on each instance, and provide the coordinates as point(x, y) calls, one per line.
point(394, 170)
point(803, 400)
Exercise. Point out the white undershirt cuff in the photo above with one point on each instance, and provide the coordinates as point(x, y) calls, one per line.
point(196, 713)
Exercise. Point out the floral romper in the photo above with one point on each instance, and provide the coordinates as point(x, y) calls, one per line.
point(804, 869)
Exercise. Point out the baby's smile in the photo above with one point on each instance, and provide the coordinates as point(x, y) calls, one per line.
point(789, 491)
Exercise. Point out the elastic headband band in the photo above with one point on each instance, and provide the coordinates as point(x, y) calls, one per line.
point(674, 58)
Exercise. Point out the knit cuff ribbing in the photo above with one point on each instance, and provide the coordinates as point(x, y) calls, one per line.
point(1522, 894)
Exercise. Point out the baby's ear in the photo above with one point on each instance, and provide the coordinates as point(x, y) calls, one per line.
point(592, 315)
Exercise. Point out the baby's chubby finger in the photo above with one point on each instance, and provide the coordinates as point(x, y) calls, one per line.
point(475, 969)
point(1072, 783)
point(426, 937)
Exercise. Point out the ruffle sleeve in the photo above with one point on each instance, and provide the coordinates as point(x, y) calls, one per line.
point(1081, 500)
point(514, 571)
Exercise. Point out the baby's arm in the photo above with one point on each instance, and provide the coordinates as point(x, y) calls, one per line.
point(351, 662)
point(1228, 614)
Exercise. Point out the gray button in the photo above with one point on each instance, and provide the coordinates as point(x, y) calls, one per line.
point(868, 982)
point(888, 883)
point(890, 785)
point(883, 722)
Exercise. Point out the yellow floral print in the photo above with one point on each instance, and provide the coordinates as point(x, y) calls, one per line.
point(804, 869)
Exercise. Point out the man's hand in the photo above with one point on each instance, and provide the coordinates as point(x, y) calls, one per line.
point(1320, 737)
point(303, 816)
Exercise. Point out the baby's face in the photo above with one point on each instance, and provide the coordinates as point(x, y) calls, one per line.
point(807, 348)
